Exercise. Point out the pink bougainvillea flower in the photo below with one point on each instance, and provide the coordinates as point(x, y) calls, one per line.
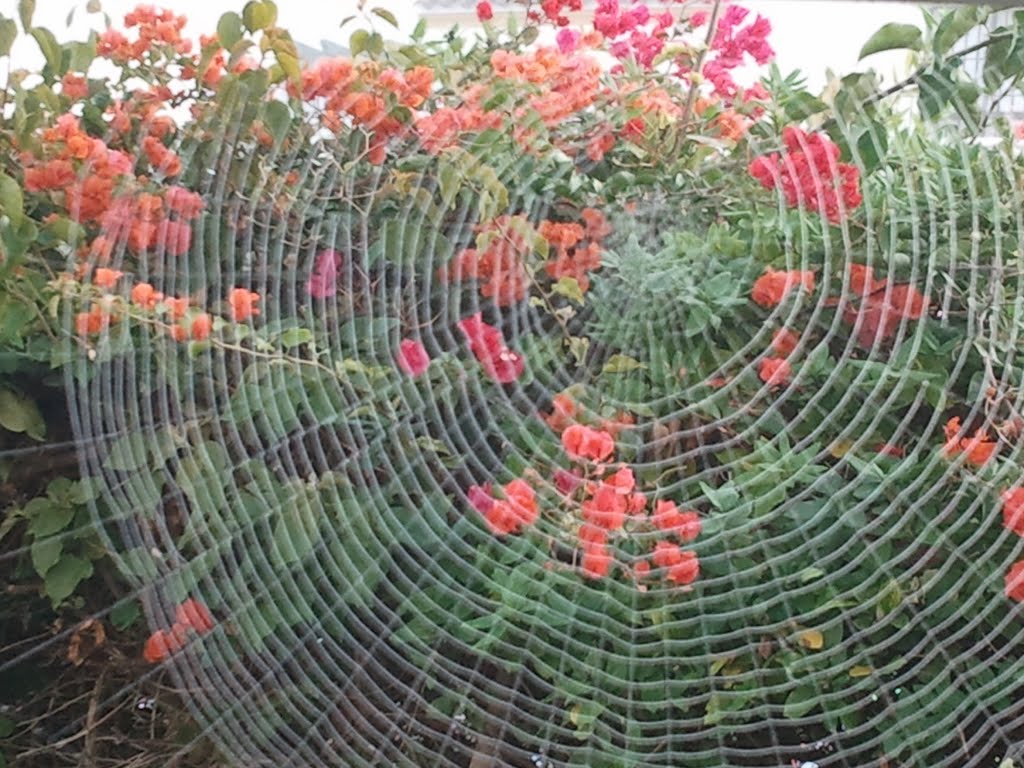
point(568, 39)
point(323, 281)
point(412, 357)
point(1013, 510)
point(480, 498)
point(486, 342)
point(582, 442)
point(567, 482)
point(1014, 588)
point(484, 11)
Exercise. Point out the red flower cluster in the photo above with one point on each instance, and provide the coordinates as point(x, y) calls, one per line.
point(156, 28)
point(731, 44)
point(577, 249)
point(515, 510)
point(634, 33)
point(608, 498)
point(486, 342)
point(1013, 520)
point(771, 288)
point(498, 261)
point(978, 450)
point(367, 96)
point(412, 357)
point(555, 11)
point(809, 175)
point(881, 307)
point(775, 371)
point(191, 615)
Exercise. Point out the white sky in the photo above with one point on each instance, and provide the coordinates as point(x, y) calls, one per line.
point(807, 34)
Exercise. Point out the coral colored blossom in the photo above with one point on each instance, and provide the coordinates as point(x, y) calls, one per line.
point(200, 327)
point(1014, 588)
point(163, 643)
point(668, 518)
point(412, 357)
point(517, 510)
point(785, 341)
point(681, 566)
point(1013, 510)
point(323, 281)
point(596, 562)
point(563, 412)
point(567, 482)
point(582, 442)
point(243, 304)
point(194, 615)
point(771, 287)
point(775, 371)
point(145, 296)
point(106, 278)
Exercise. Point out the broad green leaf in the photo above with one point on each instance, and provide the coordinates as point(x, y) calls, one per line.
point(51, 49)
point(892, 36)
point(123, 615)
point(8, 34)
point(569, 287)
point(293, 337)
point(26, 9)
point(259, 15)
point(229, 29)
point(955, 25)
point(64, 577)
point(46, 517)
point(45, 554)
point(800, 701)
point(622, 364)
point(21, 414)
point(277, 118)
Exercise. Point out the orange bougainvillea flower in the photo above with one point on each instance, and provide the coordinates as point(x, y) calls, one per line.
point(92, 322)
point(978, 449)
point(201, 326)
point(771, 287)
point(563, 412)
point(596, 562)
point(194, 615)
point(163, 643)
point(177, 307)
point(106, 278)
point(668, 518)
point(606, 507)
point(1013, 510)
point(785, 341)
point(1014, 588)
point(582, 442)
point(243, 304)
point(775, 371)
point(146, 296)
point(682, 567)
point(514, 512)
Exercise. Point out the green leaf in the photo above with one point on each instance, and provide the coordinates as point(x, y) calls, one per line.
point(259, 15)
point(277, 118)
point(20, 414)
point(51, 49)
point(8, 34)
point(45, 554)
point(62, 580)
point(127, 453)
point(229, 29)
point(123, 615)
point(26, 9)
point(293, 337)
point(892, 36)
point(6, 727)
point(800, 701)
point(955, 25)
point(47, 517)
point(12, 201)
point(569, 287)
point(385, 14)
point(622, 364)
